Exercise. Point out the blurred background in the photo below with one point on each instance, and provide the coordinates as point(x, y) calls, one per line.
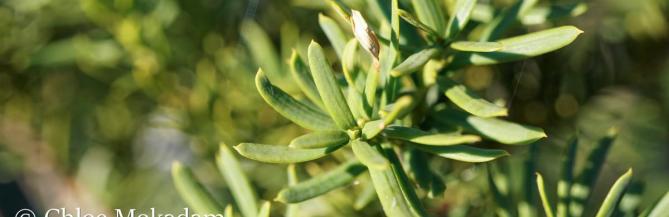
point(99, 97)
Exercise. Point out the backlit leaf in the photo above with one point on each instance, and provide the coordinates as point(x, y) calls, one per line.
point(542, 194)
point(615, 194)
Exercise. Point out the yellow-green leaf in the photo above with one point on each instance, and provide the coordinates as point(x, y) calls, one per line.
point(496, 129)
point(542, 194)
point(476, 46)
point(414, 62)
point(431, 13)
point(421, 137)
point(470, 101)
point(615, 194)
point(458, 21)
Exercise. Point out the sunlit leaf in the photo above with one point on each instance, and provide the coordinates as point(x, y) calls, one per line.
point(365, 197)
point(282, 154)
point(431, 13)
point(329, 90)
point(615, 194)
point(464, 153)
point(582, 187)
point(397, 197)
point(302, 77)
point(494, 29)
point(406, 16)
point(476, 46)
point(399, 109)
point(333, 33)
point(496, 129)
point(458, 21)
point(302, 114)
point(261, 48)
point(659, 208)
point(320, 139)
point(228, 211)
point(542, 194)
point(238, 184)
point(414, 62)
point(321, 184)
point(265, 209)
point(520, 47)
point(425, 138)
point(292, 210)
point(369, 155)
point(192, 192)
point(372, 129)
point(471, 102)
